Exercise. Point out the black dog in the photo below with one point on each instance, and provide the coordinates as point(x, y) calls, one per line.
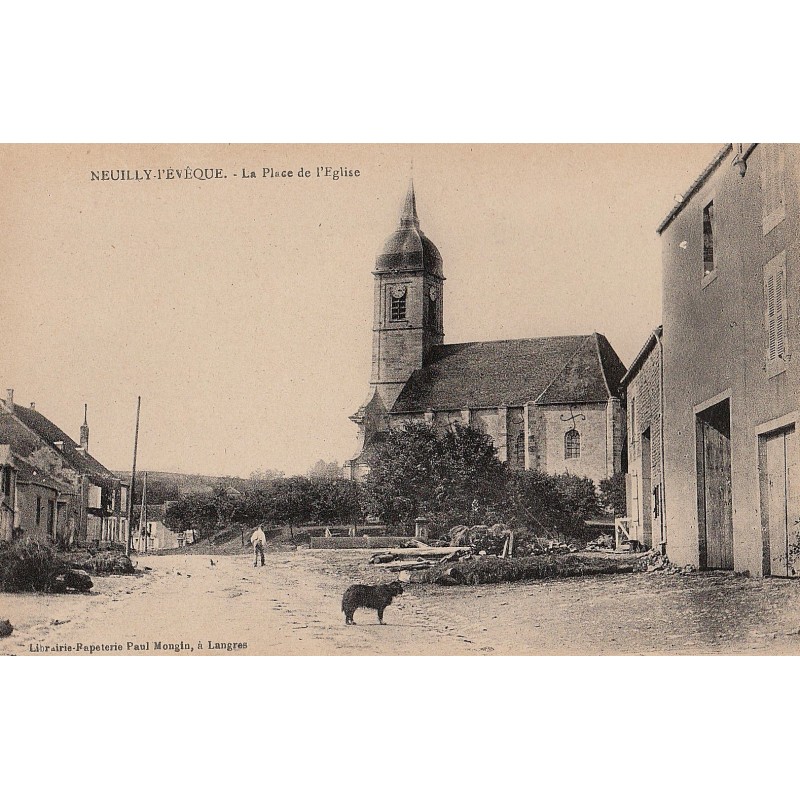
point(377, 597)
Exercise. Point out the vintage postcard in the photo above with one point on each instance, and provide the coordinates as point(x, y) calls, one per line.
point(399, 400)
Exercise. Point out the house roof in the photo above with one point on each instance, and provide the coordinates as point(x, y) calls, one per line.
point(696, 185)
point(28, 474)
point(548, 370)
point(75, 456)
point(12, 432)
point(642, 355)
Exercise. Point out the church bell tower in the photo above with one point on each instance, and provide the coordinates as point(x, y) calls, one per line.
point(408, 304)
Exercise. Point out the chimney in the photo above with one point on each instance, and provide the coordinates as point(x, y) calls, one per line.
point(33, 406)
point(85, 429)
point(10, 399)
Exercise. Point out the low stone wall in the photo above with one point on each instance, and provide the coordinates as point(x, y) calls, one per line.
point(356, 542)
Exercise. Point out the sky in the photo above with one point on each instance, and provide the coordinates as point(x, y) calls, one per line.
point(240, 309)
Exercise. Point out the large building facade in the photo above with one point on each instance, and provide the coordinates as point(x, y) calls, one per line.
point(550, 403)
point(731, 298)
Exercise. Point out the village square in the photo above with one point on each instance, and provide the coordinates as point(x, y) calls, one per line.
point(535, 495)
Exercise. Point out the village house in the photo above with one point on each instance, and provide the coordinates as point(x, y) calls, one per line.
point(8, 492)
point(91, 502)
point(549, 403)
point(644, 484)
point(156, 535)
point(731, 365)
point(34, 504)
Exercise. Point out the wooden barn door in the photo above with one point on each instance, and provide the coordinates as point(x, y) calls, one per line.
point(779, 506)
point(715, 506)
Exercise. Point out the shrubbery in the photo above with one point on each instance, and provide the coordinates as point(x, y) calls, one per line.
point(555, 505)
point(27, 565)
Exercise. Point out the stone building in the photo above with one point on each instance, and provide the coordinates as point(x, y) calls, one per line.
point(8, 492)
point(157, 536)
point(92, 501)
point(550, 403)
point(731, 298)
point(644, 485)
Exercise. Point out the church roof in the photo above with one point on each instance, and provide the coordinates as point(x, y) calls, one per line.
point(548, 370)
point(408, 248)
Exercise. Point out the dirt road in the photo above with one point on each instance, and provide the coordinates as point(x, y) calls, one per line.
point(292, 606)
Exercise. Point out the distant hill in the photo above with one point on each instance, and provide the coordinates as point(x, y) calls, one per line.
point(164, 486)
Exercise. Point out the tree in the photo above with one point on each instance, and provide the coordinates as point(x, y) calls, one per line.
point(265, 475)
point(335, 500)
point(291, 501)
point(555, 505)
point(325, 469)
point(613, 496)
point(197, 511)
point(451, 477)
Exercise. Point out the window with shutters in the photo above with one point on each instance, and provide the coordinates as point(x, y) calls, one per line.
point(708, 239)
point(775, 315)
point(772, 185)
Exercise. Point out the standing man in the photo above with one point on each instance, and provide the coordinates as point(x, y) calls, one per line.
point(259, 541)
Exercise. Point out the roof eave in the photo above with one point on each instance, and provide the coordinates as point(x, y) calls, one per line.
point(694, 188)
point(647, 348)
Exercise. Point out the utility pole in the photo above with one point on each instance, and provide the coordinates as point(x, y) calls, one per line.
point(133, 481)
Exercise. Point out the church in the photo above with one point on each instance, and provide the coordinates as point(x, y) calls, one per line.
point(551, 403)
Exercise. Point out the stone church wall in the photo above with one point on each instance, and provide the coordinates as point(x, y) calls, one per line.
point(546, 447)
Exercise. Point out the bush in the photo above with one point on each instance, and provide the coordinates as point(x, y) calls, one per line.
point(27, 565)
point(555, 505)
point(109, 563)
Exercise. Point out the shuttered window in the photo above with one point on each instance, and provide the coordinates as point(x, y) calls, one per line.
point(772, 185)
point(775, 316)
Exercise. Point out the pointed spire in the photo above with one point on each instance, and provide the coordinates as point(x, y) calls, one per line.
point(85, 428)
point(409, 218)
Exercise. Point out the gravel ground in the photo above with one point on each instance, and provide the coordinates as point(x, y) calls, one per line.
point(292, 606)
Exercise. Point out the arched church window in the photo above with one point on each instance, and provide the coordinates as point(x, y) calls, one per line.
point(572, 444)
point(398, 303)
